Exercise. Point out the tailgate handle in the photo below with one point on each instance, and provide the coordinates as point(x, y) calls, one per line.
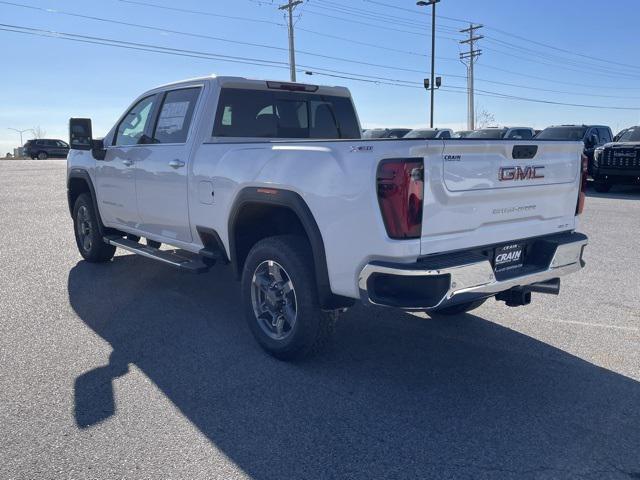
point(524, 152)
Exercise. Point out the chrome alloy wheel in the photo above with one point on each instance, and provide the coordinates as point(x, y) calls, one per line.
point(274, 300)
point(85, 228)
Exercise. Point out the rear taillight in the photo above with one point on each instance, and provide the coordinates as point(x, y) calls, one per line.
point(400, 183)
point(583, 184)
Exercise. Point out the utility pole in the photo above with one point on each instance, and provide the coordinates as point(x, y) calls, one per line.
point(292, 50)
point(470, 58)
point(431, 3)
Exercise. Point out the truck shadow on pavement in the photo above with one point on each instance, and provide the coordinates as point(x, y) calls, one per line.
point(395, 397)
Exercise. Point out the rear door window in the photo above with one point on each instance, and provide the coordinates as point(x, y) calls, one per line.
point(175, 116)
point(277, 114)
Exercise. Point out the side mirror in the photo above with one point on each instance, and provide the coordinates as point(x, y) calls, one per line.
point(80, 134)
point(97, 149)
point(145, 140)
point(592, 141)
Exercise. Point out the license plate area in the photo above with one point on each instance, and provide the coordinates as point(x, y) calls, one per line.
point(509, 257)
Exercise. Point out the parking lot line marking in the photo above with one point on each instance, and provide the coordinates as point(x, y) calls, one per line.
point(596, 325)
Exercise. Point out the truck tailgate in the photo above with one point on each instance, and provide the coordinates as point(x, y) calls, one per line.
point(481, 192)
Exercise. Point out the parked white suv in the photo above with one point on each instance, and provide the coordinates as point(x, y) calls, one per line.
point(430, 133)
point(274, 178)
point(505, 133)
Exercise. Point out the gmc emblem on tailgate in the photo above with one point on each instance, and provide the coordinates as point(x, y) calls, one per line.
point(509, 174)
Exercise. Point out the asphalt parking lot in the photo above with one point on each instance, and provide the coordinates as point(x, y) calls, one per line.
point(134, 370)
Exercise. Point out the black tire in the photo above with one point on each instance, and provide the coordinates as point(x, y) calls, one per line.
point(87, 232)
point(42, 155)
point(602, 187)
point(133, 238)
point(312, 328)
point(458, 309)
point(153, 243)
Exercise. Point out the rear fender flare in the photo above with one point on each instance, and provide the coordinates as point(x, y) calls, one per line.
point(293, 201)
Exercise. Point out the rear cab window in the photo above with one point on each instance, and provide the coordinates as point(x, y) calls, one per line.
point(246, 113)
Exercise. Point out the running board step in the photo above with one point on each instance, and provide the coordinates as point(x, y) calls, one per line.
point(184, 261)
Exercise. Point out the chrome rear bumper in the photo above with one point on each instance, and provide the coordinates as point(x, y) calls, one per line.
point(471, 278)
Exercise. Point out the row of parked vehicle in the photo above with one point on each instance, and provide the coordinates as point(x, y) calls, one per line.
point(612, 159)
point(491, 133)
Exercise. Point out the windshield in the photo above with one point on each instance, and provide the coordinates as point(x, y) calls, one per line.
point(562, 133)
point(631, 135)
point(374, 133)
point(488, 133)
point(422, 134)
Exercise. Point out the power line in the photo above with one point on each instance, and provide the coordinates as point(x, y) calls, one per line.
point(259, 62)
point(314, 54)
point(519, 37)
point(141, 46)
point(412, 11)
point(383, 17)
point(560, 62)
point(199, 12)
point(383, 27)
point(553, 47)
point(607, 74)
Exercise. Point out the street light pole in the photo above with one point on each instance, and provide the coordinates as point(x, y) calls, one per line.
point(21, 132)
point(433, 49)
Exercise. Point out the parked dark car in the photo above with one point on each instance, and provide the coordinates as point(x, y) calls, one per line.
point(618, 162)
point(44, 148)
point(593, 136)
point(385, 133)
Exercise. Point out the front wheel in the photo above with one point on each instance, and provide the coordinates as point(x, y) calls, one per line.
point(42, 156)
point(458, 309)
point(88, 238)
point(281, 300)
point(601, 187)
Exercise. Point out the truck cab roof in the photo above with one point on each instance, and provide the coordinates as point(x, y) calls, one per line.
point(260, 84)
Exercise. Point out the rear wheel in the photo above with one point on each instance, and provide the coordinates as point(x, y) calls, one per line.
point(458, 309)
point(281, 300)
point(88, 238)
point(602, 187)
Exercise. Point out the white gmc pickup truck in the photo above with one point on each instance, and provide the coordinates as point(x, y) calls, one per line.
point(274, 178)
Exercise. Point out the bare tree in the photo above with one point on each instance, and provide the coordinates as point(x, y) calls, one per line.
point(39, 132)
point(484, 118)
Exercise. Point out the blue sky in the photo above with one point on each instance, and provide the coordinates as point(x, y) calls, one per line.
point(595, 60)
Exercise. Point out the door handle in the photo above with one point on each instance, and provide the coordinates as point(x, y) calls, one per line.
point(176, 163)
point(127, 163)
